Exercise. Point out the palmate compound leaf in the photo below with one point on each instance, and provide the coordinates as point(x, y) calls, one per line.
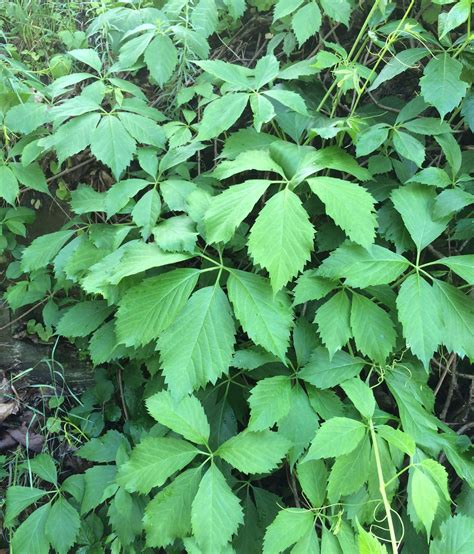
point(254, 452)
point(168, 515)
point(363, 267)
point(150, 307)
point(419, 313)
point(333, 320)
point(289, 526)
point(197, 348)
point(216, 513)
point(349, 205)
point(154, 460)
point(265, 317)
point(185, 417)
point(281, 239)
point(228, 209)
point(270, 401)
point(415, 204)
point(336, 437)
point(373, 330)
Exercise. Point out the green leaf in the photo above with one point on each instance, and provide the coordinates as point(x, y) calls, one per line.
point(221, 114)
point(339, 10)
point(228, 209)
point(397, 438)
point(161, 59)
point(176, 234)
point(419, 314)
point(349, 472)
point(216, 513)
point(332, 319)
point(409, 147)
point(265, 317)
point(415, 204)
point(25, 118)
point(368, 543)
point(336, 158)
point(457, 315)
point(462, 266)
point(168, 515)
point(441, 85)
point(31, 537)
point(372, 328)
point(146, 212)
point(62, 526)
point(99, 485)
point(254, 452)
point(349, 205)
point(456, 16)
point(44, 466)
point(125, 513)
point(336, 437)
point(118, 196)
point(433, 176)
point(112, 145)
point(9, 188)
point(281, 239)
point(424, 497)
point(310, 286)
point(143, 129)
point(308, 544)
point(312, 477)
point(87, 56)
point(86, 200)
point(266, 69)
point(43, 249)
point(185, 417)
point(363, 267)
point(285, 7)
point(18, 498)
point(450, 201)
point(204, 17)
point(197, 348)
point(290, 99)
point(406, 59)
point(235, 75)
point(456, 536)
point(306, 22)
point(361, 395)
point(325, 372)
point(102, 449)
point(153, 461)
point(83, 318)
point(289, 526)
point(269, 402)
point(150, 307)
point(371, 138)
point(262, 109)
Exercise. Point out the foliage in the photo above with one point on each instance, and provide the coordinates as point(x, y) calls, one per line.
point(268, 264)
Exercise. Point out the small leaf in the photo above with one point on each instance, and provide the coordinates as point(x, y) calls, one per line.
point(146, 212)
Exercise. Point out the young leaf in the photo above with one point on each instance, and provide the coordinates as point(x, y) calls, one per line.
point(269, 402)
point(325, 372)
point(254, 452)
point(349, 205)
point(281, 239)
point(168, 515)
point(372, 328)
point(150, 307)
point(441, 85)
point(197, 348)
point(336, 437)
point(216, 513)
point(154, 460)
point(289, 526)
point(332, 319)
point(228, 209)
point(62, 525)
point(419, 313)
point(185, 417)
point(360, 395)
point(265, 317)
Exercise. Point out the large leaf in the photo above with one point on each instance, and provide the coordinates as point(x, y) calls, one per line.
point(265, 317)
point(185, 417)
point(419, 313)
point(216, 512)
point(349, 205)
point(168, 515)
point(31, 534)
point(415, 204)
point(306, 22)
point(112, 145)
point(150, 307)
point(254, 452)
point(441, 85)
point(228, 209)
point(154, 460)
point(281, 240)
point(197, 348)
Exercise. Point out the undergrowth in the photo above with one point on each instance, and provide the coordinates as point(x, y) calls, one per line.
point(261, 240)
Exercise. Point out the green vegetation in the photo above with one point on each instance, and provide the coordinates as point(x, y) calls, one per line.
point(262, 243)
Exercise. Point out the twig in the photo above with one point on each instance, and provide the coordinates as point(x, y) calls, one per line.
point(69, 170)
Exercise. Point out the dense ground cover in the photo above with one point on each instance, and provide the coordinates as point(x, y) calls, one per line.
point(254, 219)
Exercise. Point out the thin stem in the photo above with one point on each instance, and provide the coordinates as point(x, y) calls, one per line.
point(383, 492)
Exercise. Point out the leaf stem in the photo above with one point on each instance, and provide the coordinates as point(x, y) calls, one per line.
point(383, 492)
